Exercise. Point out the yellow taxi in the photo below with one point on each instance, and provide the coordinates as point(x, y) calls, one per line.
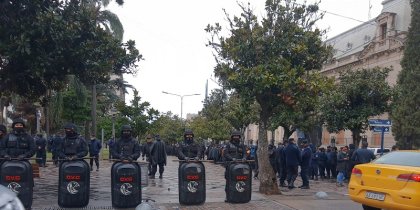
point(389, 182)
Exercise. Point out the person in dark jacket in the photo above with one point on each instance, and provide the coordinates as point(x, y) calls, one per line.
point(293, 159)
point(363, 155)
point(189, 149)
point(314, 166)
point(111, 143)
point(126, 149)
point(233, 151)
point(332, 162)
point(94, 148)
point(322, 162)
point(72, 146)
point(272, 157)
point(41, 150)
point(283, 168)
point(3, 133)
point(158, 154)
point(305, 164)
point(342, 165)
point(145, 152)
point(56, 141)
point(17, 144)
point(351, 150)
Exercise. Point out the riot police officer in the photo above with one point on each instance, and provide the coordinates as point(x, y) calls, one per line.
point(17, 144)
point(72, 146)
point(234, 150)
point(126, 148)
point(189, 149)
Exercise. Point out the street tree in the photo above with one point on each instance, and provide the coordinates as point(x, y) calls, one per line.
point(359, 95)
point(264, 61)
point(140, 114)
point(301, 110)
point(169, 127)
point(240, 113)
point(405, 112)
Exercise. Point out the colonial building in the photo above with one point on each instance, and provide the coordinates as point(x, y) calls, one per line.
point(377, 42)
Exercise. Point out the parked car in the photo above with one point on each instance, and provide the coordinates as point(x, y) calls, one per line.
point(377, 150)
point(9, 200)
point(390, 182)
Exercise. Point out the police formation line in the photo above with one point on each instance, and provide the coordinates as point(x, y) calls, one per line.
point(17, 148)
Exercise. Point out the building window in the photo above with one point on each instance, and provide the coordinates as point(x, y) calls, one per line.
point(383, 31)
point(349, 46)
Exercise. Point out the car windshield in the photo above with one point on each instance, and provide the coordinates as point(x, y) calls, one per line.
point(400, 158)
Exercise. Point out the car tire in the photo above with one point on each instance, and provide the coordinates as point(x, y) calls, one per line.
point(365, 207)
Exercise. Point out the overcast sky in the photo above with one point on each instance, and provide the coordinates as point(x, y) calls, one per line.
point(170, 35)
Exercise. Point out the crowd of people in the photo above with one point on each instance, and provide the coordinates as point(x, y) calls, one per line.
point(286, 158)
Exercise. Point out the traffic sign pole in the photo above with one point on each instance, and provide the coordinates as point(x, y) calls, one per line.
point(382, 140)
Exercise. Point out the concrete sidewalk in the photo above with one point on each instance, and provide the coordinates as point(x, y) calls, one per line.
point(163, 193)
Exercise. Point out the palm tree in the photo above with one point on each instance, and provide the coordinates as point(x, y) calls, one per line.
point(113, 25)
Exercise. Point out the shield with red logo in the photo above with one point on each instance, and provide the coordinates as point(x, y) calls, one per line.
point(17, 176)
point(192, 183)
point(125, 185)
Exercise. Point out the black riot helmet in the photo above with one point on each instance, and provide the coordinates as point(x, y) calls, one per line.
point(235, 137)
point(126, 131)
point(70, 129)
point(188, 136)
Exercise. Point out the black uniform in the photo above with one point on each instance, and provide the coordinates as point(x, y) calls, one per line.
point(145, 150)
point(189, 149)
point(72, 146)
point(158, 155)
point(17, 144)
point(233, 151)
point(126, 148)
point(41, 150)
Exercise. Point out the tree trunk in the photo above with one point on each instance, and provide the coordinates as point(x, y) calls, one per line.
point(268, 180)
point(356, 137)
point(94, 129)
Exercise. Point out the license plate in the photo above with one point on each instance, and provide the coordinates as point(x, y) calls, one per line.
point(375, 196)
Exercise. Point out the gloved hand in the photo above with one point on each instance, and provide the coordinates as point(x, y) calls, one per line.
point(130, 159)
point(234, 159)
point(187, 159)
point(196, 159)
point(244, 159)
point(7, 157)
point(21, 157)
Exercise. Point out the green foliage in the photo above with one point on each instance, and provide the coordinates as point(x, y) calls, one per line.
point(43, 41)
point(361, 94)
point(139, 114)
point(266, 61)
point(76, 107)
point(406, 102)
point(169, 127)
point(240, 113)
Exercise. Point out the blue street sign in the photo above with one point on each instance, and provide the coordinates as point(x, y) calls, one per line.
point(380, 123)
point(379, 129)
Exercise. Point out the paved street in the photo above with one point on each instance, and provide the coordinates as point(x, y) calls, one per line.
point(163, 193)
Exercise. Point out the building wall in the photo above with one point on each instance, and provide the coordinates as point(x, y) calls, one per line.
point(363, 47)
point(368, 46)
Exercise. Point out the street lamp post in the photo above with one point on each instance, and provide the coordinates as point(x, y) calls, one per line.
point(182, 98)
